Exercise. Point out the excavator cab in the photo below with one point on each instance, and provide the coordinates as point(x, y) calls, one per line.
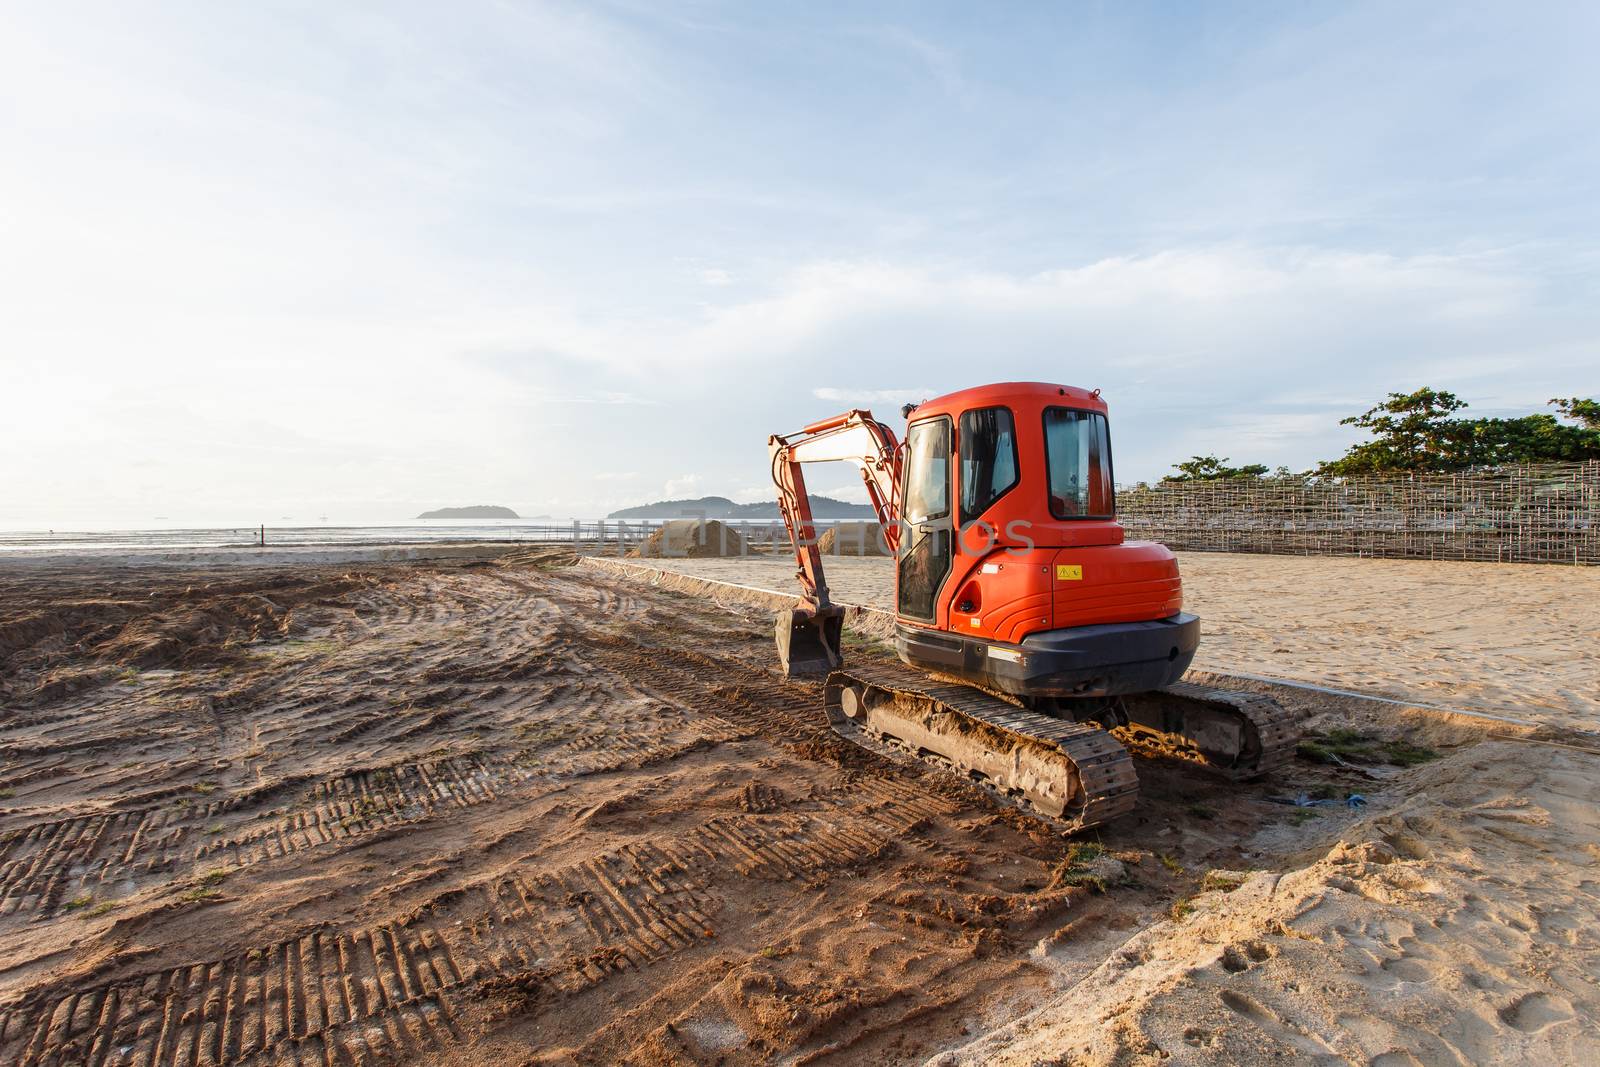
point(1010, 566)
point(1013, 571)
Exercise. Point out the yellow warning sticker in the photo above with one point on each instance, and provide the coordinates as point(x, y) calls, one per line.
point(974, 620)
point(1069, 572)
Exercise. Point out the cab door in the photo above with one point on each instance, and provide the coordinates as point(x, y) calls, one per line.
point(925, 532)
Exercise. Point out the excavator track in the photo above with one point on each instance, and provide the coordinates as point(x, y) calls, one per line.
point(1234, 734)
point(1076, 775)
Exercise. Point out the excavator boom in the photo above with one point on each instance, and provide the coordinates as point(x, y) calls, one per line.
point(808, 634)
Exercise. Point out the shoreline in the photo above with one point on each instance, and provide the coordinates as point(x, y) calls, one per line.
point(257, 556)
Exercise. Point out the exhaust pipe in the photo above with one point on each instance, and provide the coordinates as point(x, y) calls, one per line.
point(808, 641)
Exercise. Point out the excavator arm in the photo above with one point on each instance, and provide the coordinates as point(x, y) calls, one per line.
point(808, 635)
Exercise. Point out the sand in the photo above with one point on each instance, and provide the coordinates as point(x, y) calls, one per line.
point(1509, 639)
point(691, 539)
point(469, 813)
point(1457, 927)
point(853, 539)
point(53, 559)
point(515, 811)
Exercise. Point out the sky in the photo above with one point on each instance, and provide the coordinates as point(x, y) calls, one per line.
point(293, 259)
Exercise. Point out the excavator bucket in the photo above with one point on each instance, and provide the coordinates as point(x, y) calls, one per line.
point(808, 641)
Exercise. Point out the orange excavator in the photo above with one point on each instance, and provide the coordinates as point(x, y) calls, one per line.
point(1037, 645)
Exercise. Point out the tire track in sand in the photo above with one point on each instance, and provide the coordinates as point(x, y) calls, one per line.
point(390, 993)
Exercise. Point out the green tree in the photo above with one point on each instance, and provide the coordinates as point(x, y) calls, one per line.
point(1530, 439)
point(1584, 412)
point(1204, 468)
point(1411, 432)
point(1418, 432)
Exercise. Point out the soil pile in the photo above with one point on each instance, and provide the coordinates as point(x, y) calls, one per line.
point(127, 623)
point(854, 539)
point(691, 539)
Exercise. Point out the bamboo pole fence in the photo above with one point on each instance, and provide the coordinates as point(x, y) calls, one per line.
point(1547, 513)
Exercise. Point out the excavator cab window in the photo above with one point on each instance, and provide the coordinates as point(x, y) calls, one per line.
point(1078, 453)
point(925, 528)
point(988, 459)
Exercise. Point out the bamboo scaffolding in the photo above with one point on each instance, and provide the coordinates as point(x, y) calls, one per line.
point(1549, 513)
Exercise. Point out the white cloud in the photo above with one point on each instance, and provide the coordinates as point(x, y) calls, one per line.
point(873, 396)
point(681, 486)
point(1204, 350)
point(611, 398)
point(259, 255)
point(1150, 307)
point(853, 493)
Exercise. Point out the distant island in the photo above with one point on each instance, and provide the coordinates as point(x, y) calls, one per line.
point(477, 511)
point(720, 507)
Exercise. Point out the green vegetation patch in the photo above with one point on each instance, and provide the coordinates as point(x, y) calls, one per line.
point(1342, 746)
point(1222, 881)
point(1404, 754)
point(1078, 867)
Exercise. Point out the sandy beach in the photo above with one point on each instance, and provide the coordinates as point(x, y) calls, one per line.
point(1508, 639)
point(512, 810)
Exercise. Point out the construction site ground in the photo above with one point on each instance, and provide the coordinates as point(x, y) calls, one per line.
point(532, 811)
point(1502, 638)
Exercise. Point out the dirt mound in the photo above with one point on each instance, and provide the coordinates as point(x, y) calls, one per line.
point(189, 635)
point(691, 539)
point(139, 623)
point(1391, 919)
point(211, 623)
point(854, 539)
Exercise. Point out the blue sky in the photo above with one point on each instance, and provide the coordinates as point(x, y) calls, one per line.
point(354, 259)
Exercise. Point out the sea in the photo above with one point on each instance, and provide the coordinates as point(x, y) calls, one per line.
point(164, 535)
point(194, 535)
